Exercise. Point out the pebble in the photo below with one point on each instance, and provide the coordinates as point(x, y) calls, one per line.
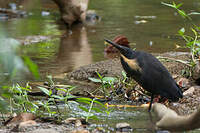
point(27, 123)
point(44, 131)
point(123, 127)
point(75, 121)
point(190, 90)
point(80, 131)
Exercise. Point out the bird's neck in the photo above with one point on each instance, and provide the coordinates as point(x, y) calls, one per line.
point(132, 63)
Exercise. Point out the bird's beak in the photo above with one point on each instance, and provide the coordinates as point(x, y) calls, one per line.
point(120, 48)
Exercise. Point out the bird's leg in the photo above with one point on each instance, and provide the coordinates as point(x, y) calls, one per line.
point(151, 102)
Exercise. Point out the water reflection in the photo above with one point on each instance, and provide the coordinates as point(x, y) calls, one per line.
point(74, 50)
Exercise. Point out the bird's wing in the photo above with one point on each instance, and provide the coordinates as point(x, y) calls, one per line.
point(155, 77)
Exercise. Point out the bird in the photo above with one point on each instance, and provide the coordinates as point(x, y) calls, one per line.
point(149, 73)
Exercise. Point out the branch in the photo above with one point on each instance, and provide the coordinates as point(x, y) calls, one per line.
point(176, 60)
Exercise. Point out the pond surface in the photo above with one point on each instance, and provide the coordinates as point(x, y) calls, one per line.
point(149, 26)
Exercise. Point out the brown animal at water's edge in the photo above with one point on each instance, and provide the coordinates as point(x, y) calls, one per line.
point(170, 120)
point(72, 10)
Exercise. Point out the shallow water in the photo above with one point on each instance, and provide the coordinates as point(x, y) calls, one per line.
point(149, 26)
point(140, 120)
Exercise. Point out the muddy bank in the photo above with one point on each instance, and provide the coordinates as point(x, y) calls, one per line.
point(112, 67)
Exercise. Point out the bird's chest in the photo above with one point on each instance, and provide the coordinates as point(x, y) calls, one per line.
point(131, 66)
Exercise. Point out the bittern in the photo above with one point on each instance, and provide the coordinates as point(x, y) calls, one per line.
point(149, 72)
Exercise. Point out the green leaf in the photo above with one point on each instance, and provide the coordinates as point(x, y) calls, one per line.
point(181, 31)
point(53, 112)
point(179, 5)
point(194, 31)
point(93, 117)
point(182, 13)
point(169, 5)
point(61, 89)
point(3, 105)
point(97, 110)
point(95, 101)
point(40, 103)
point(6, 94)
point(69, 96)
point(84, 99)
point(189, 44)
point(44, 90)
point(124, 74)
point(71, 88)
point(194, 13)
point(83, 108)
point(99, 75)
point(84, 102)
point(95, 80)
point(32, 66)
point(58, 97)
point(109, 79)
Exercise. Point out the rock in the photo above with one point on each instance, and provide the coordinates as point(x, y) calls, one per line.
point(174, 76)
point(44, 131)
point(27, 40)
point(80, 131)
point(191, 90)
point(27, 123)
point(75, 121)
point(99, 130)
point(123, 127)
point(196, 71)
point(22, 117)
point(92, 17)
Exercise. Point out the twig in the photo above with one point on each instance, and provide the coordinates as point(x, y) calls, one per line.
point(180, 61)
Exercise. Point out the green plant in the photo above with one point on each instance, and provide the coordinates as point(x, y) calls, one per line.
point(13, 66)
point(106, 82)
point(18, 99)
point(192, 41)
point(54, 98)
point(90, 112)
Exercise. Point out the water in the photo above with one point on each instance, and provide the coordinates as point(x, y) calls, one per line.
point(148, 25)
point(139, 119)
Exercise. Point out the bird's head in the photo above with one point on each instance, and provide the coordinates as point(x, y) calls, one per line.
point(127, 52)
point(121, 40)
